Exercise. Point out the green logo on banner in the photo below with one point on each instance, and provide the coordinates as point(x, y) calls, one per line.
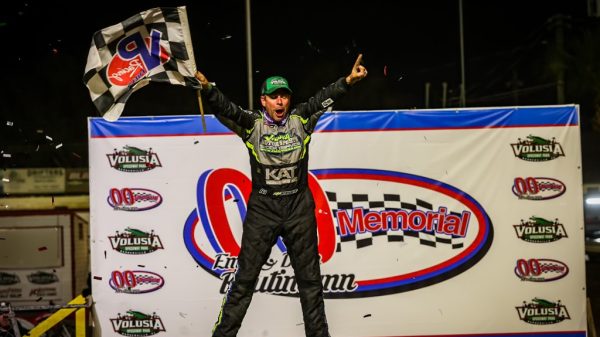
point(535, 148)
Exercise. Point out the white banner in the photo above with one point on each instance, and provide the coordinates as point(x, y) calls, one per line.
point(437, 222)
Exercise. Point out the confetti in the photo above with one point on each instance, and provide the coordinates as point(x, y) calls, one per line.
point(6, 180)
point(9, 123)
point(41, 249)
point(141, 266)
point(2, 238)
point(59, 146)
point(97, 277)
point(6, 155)
point(196, 142)
point(226, 37)
point(49, 138)
point(367, 315)
point(76, 155)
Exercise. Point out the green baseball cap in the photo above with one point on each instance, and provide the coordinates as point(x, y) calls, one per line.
point(274, 83)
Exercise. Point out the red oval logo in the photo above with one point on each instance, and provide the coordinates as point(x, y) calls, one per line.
point(538, 188)
point(133, 199)
point(540, 270)
point(135, 281)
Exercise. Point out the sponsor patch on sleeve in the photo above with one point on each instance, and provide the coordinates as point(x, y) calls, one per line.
point(327, 102)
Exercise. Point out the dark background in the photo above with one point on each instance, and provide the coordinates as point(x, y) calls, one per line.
point(511, 58)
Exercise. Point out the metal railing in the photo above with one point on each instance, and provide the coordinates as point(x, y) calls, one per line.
point(78, 305)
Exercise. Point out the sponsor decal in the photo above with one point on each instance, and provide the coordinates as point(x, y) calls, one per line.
point(540, 230)
point(281, 175)
point(327, 102)
point(280, 143)
point(135, 281)
point(135, 57)
point(43, 292)
point(7, 279)
point(540, 270)
point(134, 241)
point(541, 312)
point(136, 323)
point(133, 199)
point(443, 226)
point(41, 277)
point(538, 188)
point(133, 159)
point(11, 293)
point(535, 148)
point(278, 81)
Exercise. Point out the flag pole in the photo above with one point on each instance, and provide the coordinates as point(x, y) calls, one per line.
point(199, 94)
point(192, 61)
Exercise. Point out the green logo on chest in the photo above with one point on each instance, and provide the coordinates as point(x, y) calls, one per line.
point(280, 143)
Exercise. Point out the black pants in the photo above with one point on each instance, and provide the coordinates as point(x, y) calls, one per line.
point(292, 218)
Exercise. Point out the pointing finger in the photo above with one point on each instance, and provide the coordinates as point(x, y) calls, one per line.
point(358, 61)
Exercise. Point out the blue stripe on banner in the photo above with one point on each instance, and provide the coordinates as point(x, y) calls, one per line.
point(563, 115)
point(449, 119)
point(155, 126)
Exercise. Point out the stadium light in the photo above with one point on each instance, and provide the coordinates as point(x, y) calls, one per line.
point(592, 200)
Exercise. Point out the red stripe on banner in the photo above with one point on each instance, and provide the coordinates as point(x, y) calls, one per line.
point(325, 225)
point(215, 185)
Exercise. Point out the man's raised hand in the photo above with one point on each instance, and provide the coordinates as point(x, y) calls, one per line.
point(358, 71)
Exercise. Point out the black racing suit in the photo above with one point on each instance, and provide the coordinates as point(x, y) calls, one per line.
point(280, 205)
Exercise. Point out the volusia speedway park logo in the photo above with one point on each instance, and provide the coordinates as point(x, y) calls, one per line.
point(133, 159)
point(380, 232)
point(535, 148)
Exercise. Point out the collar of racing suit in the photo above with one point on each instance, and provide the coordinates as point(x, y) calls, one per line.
point(270, 120)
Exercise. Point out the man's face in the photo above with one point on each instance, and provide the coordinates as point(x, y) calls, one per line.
point(277, 104)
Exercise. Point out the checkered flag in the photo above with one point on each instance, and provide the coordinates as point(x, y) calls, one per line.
point(153, 45)
point(390, 202)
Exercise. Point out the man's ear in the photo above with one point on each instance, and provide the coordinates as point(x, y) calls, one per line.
point(263, 101)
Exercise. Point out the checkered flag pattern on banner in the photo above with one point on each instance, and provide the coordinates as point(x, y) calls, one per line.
point(154, 45)
point(389, 202)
